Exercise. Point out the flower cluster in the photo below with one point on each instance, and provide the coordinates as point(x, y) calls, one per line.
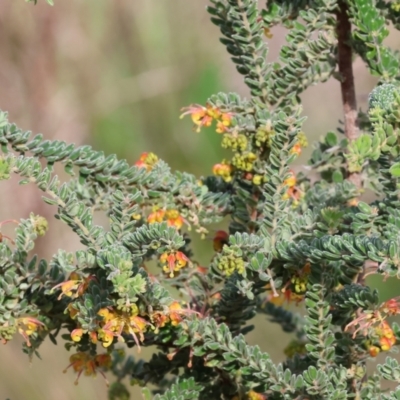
point(115, 324)
point(173, 262)
point(75, 286)
point(89, 364)
point(27, 326)
point(40, 224)
point(235, 141)
point(224, 170)
point(172, 217)
point(204, 116)
point(293, 191)
point(384, 339)
point(373, 324)
point(230, 263)
point(294, 290)
point(174, 316)
point(147, 160)
point(244, 162)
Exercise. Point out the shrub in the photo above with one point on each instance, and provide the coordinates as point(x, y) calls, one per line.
point(291, 239)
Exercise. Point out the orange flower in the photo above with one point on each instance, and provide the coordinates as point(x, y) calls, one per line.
point(391, 307)
point(374, 351)
point(226, 119)
point(252, 395)
point(286, 295)
point(116, 323)
point(296, 149)
point(73, 312)
point(385, 339)
point(76, 334)
point(223, 170)
point(75, 286)
point(224, 122)
point(27, 326)
point(200, 116)
point(159, 320)
point(175, 313)
point(156, 216)
point(106, 336)
point(291, 180)
point(88, 364)
point(93, 337)
point(174, 218)
point(106, 314)
point(204, 116)
point(147, 160)
point(173, 262)
point(353, 202)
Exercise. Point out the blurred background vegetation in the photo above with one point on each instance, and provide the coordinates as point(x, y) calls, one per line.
point(114, 74)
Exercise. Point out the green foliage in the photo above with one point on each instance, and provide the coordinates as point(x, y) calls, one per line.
point(291, 239)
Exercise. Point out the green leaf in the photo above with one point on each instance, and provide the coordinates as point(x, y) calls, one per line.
point(395, 170)
point(337, 176)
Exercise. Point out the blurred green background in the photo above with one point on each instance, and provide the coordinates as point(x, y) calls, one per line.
point(115, 74)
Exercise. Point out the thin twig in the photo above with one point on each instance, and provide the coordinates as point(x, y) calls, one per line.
point(345, 62)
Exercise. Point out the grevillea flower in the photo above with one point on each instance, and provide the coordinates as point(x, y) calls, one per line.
point(296, 149)
point(116, 323)
point(224, 122)
point(27, 326)
point(201, 116)
point(175, 313)
point(252, 395)
point(390, 307)
point(385, 339)
point(147, 160)
point(76, 334)
point(156, 217)
point(291, 180)
point(89, 364)
point(204, 116)
point(75, 286)
point(285, 295)
point(172, 217)
point(223, 170)
point(173, 262)
point(159, 320)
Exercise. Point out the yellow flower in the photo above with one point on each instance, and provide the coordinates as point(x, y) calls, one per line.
point(252, 395)
point(173, 262)
point(175, 313)
point(223, 170)
point(200, 116)
point(147, 160)
point(296, 149)
point(75, 286)
point(156, 216)
point(174, 218)
point(106, 337)
point(27, 326)
point(106, 314)
point(291, 180)
point(89, 364)
point(76, 334)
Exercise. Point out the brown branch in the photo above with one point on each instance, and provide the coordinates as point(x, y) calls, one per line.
point(345, 62)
